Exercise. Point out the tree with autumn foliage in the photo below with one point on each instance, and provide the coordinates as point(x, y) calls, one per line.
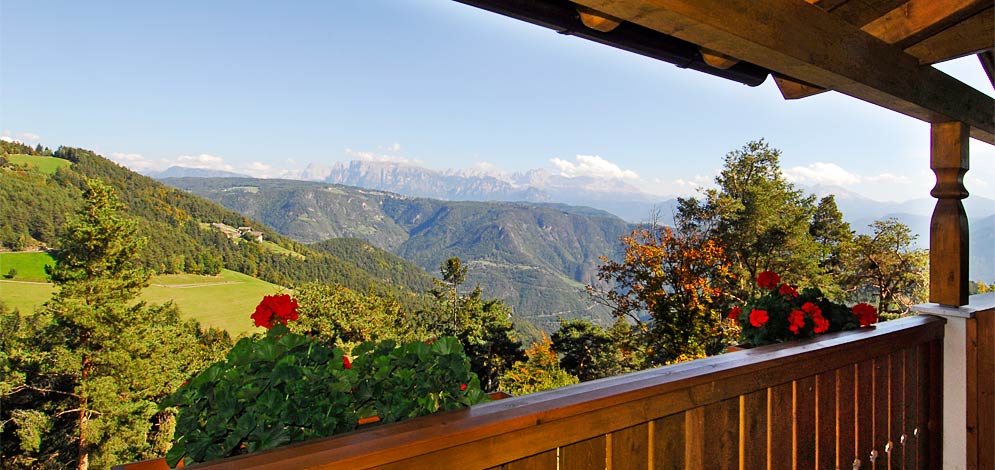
point(541, 371)
point(671, 284)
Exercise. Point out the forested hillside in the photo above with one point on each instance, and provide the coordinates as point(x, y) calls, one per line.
point(538, 257)
point(177, 224)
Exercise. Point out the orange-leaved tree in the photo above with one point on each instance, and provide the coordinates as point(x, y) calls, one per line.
point(672, 285)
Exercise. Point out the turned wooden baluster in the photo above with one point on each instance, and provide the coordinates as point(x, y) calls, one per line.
point(948, 231)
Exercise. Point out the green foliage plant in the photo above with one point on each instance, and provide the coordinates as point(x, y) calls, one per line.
point(781, 313)
point(284, 387)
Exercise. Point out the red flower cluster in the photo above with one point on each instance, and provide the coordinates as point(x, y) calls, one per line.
point(758, 318)
point(734, 313)
point(788, 291)
point(865, 313)
point(462, 387)
point(346, 363)
point(821, 324)
point(768, 280)
point(275, 309)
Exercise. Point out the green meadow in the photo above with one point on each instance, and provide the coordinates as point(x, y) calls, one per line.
point(29, 266)
point(46, 165)
point(223, 301)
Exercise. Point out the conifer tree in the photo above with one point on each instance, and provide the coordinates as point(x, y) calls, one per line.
point(89, 369)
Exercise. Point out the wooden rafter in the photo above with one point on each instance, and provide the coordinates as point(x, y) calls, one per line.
point(970, 36)
point(793, 89)
point(800, 40)
point(988, 63)
point(917, 19)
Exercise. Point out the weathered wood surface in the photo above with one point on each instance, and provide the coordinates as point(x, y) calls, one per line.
point(981, 390)
point(948, 228)
point(737, 410)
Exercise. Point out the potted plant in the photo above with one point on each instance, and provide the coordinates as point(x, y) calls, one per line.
point(284, 387)
point(782, 313)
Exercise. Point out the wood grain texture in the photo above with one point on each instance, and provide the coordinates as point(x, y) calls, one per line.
point(865, 411)
point(543, 461)
point(753, 429)
point(896, 409)
point(795, 39)
point(910, 444)
point(804, 426)
point(948, 229)
point(588, 454)
point(968, 37)
point(668, 442)
point(722, 439)
point(630, 448)
point(825, 420)
point(847, 415)
point(915, 20)
point(781, 427)
point(986, 388)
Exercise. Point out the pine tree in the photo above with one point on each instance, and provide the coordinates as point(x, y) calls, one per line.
point(89, 369)
point(835, 241)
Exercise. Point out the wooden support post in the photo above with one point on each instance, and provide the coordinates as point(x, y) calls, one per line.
point(948, 231)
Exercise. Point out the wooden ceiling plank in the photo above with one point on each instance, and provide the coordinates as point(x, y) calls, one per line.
point(915, 20)
point(797, 39)
point(793, 89)
point(717, 60)
point(970, 36)
point(861, 12)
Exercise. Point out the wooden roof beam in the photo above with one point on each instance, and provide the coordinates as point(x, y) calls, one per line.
point(970, 36)
point(796, 39)
point(988, 63)
point(916, 20)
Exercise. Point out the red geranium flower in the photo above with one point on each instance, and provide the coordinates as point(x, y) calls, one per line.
point(768, 280)
point(797, 320)
point(275, 309)
point(758, 318)
point(462, 387)
point(865, 313)
point(346, 363)
point(812, 309)
point(734, 313)
point(821, 324)
point(788, 291)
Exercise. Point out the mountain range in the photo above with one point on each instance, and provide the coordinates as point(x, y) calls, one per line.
point(621, 199)
point(536, 256)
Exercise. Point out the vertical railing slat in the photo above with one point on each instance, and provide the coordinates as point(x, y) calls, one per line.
point(804, 426)
point(911, 408)
point(846, 415)
point(933, 385)
point(825, 416)
point(986, 388)
point(630, 448)
point(589, 454)
point(780, 428)
point(882, 377)
point(543, 461)
point(694, 439)
point(668, 442)
point(896, 412)
point(722, 435)
point(753, 429)
point(865, 411)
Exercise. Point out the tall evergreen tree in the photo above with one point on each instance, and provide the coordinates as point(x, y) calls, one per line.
point(835, 242)
point(90, 368)
point(761, 219)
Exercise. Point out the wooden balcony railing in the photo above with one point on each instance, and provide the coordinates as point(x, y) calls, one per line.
point(872, 395)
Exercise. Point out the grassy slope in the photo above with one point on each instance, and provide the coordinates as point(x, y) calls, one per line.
point(224, 301)
point(46, 165)
point(29, 266)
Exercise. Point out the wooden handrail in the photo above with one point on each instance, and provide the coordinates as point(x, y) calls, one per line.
point(737, 403)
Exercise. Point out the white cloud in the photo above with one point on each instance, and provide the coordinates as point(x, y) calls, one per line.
point(29, 136)
point(203, 161)
point(834, 175)
point(395, 147)
point(592, 166)
point(682, 187)
point(8, 139)
point(381, 157)
point(137, 162)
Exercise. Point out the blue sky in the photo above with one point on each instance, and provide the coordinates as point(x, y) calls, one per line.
point(265, 88)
